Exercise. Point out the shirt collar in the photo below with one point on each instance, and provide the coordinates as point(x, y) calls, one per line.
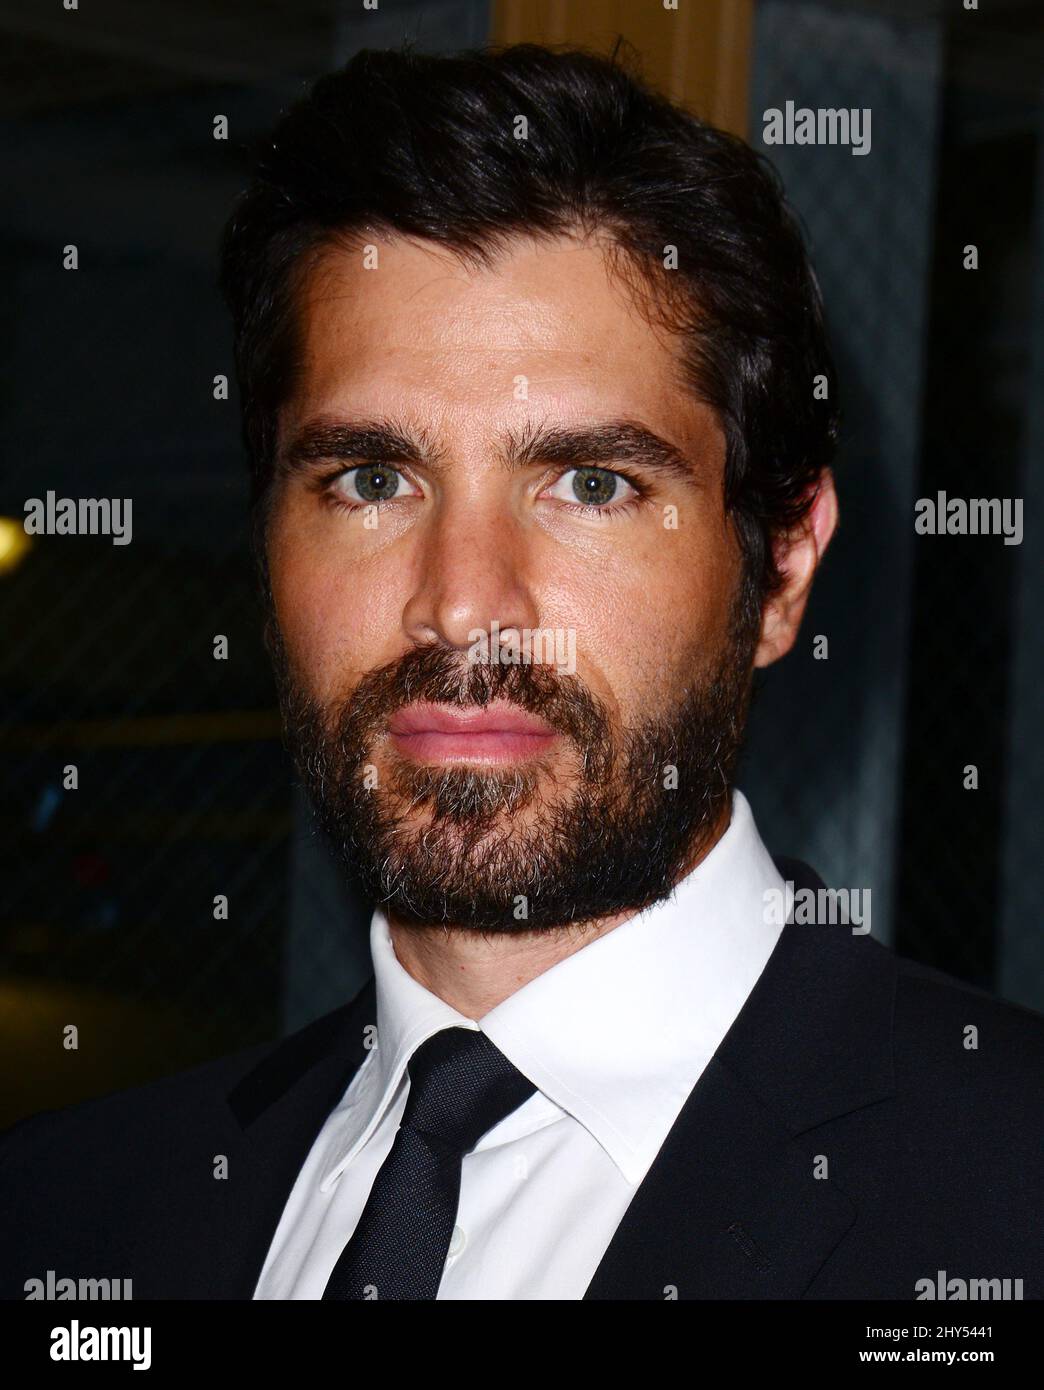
point(618, 1033)
point(407, 1015)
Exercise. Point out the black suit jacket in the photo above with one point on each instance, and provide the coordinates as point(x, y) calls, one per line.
point(843, 1054)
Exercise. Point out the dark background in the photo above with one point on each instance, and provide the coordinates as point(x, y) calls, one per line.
point(855, 763)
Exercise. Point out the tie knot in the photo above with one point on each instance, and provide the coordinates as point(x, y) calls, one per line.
point(461, 1085)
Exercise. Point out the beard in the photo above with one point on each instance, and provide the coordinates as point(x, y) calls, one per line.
point(524, 847)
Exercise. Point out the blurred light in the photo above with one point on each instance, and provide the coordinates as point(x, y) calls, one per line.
point(49, 801)
point(14, 544)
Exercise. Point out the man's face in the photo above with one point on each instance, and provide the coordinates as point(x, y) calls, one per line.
point(508, 449)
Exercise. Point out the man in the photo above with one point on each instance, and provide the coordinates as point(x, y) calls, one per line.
point(528, 361)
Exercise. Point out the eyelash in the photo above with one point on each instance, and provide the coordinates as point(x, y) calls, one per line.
point(612, 509)
point(324, 485)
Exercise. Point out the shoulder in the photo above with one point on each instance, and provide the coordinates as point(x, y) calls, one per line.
point(156, 1116)
point(949, 1039)
point(961, 1047)
point(127, 1181)
point(942, 1021)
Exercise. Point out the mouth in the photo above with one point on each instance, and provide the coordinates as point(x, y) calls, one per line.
point(496, 733)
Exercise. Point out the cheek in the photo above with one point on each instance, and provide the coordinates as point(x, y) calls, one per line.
point(338, 618)
point(650, 618)
point(674, 582)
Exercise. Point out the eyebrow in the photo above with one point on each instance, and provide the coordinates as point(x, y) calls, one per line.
point(382, 441)
point(614, 441)
point(355, 441)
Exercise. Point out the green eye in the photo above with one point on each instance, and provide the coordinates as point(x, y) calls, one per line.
point(594, 486)
point(376, 482)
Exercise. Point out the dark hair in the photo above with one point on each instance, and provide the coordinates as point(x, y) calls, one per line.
point(425, 146)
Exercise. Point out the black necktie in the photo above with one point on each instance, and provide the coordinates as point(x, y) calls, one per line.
point(460, 1087)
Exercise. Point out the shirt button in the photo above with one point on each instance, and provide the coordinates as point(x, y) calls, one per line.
point(458, 1240)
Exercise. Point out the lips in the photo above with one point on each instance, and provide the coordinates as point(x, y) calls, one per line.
point(500, 732)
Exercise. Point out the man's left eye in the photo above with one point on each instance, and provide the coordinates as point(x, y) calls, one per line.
point(593, 487)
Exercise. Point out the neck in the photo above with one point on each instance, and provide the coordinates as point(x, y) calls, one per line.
point(473, 972)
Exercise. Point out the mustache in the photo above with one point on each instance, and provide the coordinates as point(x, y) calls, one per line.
point(444, 676)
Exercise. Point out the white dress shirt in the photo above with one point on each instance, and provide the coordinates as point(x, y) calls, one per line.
point(614, 1037)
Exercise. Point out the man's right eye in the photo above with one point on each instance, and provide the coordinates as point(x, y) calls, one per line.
point(368, 483)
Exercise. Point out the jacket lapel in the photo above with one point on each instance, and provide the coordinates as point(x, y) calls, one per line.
point(281, 1106)
point(731, 1207)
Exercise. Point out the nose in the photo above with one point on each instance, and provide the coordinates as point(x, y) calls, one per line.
point(471, 571)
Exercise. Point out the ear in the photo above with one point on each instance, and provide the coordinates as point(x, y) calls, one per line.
point(797, 554)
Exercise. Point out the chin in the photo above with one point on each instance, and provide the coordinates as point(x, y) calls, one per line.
point(467, 831)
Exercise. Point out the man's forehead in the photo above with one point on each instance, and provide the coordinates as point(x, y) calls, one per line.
point(544, 297)
point(546, 333)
